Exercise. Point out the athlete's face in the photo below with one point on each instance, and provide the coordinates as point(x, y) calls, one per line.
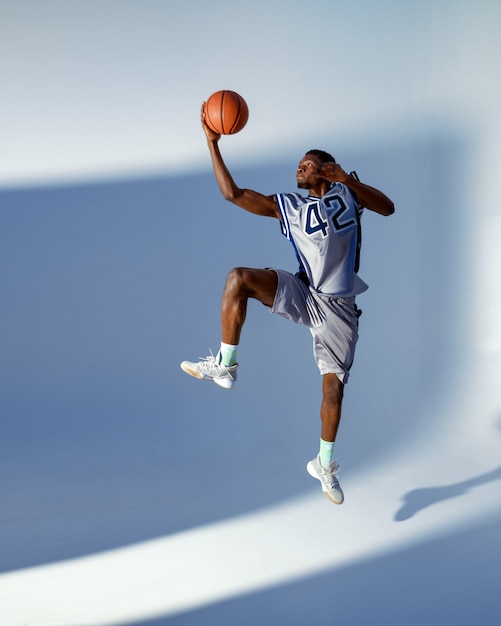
point(308, 172)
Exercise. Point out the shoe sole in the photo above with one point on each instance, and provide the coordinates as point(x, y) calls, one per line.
point(332, 499)
point(224, 383)
point(313, 474)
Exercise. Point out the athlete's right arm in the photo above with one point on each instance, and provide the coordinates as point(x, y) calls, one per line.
point(247, 199)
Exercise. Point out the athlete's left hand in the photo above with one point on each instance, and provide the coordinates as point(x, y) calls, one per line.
point(333, 172)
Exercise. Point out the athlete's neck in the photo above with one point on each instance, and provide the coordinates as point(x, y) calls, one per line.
point(320, 190)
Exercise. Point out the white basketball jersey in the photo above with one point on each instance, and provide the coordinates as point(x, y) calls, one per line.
point(325, 233)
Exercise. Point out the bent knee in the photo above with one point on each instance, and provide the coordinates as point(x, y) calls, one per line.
point(237, 278)
point(255, 283)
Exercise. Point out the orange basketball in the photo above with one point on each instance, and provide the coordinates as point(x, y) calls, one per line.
point(226, 112)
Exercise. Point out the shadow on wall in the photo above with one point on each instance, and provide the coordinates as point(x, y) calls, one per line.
point(107, 287)
point(419, 499)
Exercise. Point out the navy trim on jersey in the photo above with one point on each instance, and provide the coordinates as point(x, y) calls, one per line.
point(358, 214)
point(285, 226)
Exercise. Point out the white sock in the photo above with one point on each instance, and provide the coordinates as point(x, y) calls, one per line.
point(228, 354)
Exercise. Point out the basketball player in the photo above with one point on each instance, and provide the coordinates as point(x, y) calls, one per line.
point(324, 228)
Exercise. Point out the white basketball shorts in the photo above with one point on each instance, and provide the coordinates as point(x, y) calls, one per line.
point(333, 322)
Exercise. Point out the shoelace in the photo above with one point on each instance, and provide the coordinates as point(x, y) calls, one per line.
point(334, 472)
point(209, 364)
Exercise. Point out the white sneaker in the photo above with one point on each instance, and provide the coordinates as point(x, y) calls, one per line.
point(210, 369)
point(328, 479)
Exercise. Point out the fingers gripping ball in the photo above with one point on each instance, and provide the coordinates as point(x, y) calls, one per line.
point(226, 112)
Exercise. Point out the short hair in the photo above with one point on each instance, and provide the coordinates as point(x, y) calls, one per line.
point(324, 156)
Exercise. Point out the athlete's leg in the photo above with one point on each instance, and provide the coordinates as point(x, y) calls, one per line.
point(323, 467)
point(330, 411)
point(241, 284)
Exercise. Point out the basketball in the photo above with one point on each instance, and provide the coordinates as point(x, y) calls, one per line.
point(226, 112)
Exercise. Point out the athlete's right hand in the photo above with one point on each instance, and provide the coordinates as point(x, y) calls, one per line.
point(209, 133)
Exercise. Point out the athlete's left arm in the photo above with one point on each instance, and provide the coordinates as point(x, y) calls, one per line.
point(369, 197)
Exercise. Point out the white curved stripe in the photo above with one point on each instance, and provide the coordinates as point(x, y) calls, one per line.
point(269, 547)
